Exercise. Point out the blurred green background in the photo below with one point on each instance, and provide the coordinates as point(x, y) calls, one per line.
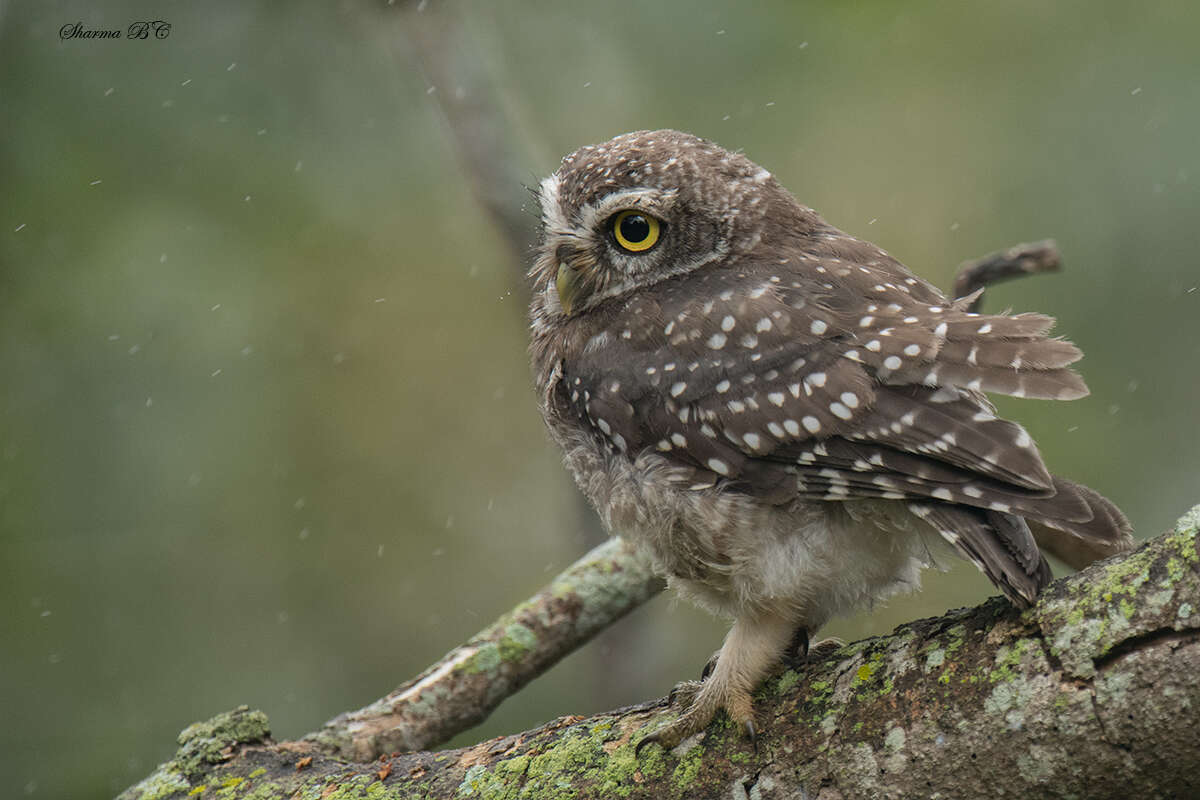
point(266, 427)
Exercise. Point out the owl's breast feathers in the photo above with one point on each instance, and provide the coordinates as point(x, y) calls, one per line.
point(822, 373)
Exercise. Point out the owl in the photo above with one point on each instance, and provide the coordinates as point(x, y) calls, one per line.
point(790, 423)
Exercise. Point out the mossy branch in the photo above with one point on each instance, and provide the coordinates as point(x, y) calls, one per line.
point(460, 690)
point(1090, 693)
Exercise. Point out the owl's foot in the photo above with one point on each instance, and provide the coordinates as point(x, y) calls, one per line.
point(752, 647)
point(703, 701)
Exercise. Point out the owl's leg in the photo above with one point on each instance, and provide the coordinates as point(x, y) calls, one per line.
point(753, 645)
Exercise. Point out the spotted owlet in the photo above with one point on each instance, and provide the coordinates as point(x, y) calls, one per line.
point(784, 417)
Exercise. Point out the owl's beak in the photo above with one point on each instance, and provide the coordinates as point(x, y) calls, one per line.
point(569, 285)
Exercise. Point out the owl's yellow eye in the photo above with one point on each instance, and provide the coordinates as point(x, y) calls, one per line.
point(635, 231)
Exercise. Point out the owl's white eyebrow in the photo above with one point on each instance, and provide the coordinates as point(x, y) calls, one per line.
point(655, 201)
point(552, 217)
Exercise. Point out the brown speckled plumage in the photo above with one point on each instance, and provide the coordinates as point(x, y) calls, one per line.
point(788, 420)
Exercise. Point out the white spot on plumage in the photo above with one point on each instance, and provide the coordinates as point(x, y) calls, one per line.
point(971, 356)
point(763, 325)
point(679, 440)
point(811, 424)
point(985, 328)
point(840, 410)
point(678, 388)
point(792, 427)
point(850, 399)
point(603, 425)
point(972, 491)
point(723, 387)
point(818, 327)
point(718, 466)
point(1023, 439)
point(749, 340)
point(777, 398)
point(708, 431)
point(873, 345)
point(776, 429)
point(912, 350)
point(794, 388)
point(716, 341)
point(816, 378)
point(752, 440)
point(866, 322)
point(727, 323)
point(940, 330)
point(1003, 508)
point(892, 362)
point(736, 406)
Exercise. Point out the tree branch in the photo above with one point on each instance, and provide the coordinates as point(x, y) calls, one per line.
point(1091, 693)
point(462, 689)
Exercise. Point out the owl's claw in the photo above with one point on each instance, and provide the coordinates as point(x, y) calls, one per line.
point(704, 701)
point(803, 653)
point(823, 649)
point(684, 693)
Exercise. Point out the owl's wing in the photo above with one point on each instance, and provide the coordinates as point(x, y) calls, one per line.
point(784, 386)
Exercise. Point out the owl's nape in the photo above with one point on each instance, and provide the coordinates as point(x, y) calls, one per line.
point(785, 418)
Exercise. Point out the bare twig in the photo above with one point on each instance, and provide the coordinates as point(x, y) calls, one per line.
point(461, 689)
point(1015, 262)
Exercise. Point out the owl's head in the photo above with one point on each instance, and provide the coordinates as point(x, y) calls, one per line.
point(642, 208)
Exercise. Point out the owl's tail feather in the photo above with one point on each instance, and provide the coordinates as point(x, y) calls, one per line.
point(1001, 545)
point(998, 353)
point(1107, 533)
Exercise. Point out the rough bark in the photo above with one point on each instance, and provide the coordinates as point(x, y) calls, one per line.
point(1091, 693)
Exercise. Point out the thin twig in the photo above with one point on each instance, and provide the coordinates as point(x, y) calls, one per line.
point(1003, 265)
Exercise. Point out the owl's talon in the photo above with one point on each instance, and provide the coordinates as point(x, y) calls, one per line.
point(705, 702)
point(824, 648)
point(709, 665)
point(685, 690)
